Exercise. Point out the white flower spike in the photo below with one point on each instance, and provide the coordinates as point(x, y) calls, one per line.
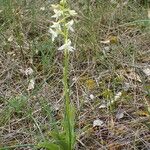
point(67, 46)
point(69, 25)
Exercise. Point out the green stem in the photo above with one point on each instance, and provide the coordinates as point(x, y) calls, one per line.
point(68, 126)
point(66, 89)
point(67, 92)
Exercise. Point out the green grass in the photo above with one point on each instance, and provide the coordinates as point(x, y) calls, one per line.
point(29, 117)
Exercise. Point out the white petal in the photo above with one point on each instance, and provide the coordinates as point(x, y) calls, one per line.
point(57, 14)
point(72, 12)
point(71, 49)
point(54, 6)
point(68, 44)
point(56, 26)
point(69, 25)
point(54, 34)
point(62, 47)
point(65, 46)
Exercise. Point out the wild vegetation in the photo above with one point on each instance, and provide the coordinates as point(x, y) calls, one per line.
point(108, 76)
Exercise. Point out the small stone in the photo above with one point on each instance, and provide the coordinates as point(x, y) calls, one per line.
point(92, 96)
point(98, 123)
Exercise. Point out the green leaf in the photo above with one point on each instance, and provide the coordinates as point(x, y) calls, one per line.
point(48, 146)
point(59, 139)
point(68, 125)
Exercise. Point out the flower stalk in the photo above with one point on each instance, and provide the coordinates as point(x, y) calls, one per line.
point(62, 27)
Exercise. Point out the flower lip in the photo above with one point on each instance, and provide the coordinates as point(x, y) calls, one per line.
point(72, 12)
point(56, 26)
point(57, 14)
point(67, 46)
point(54, 34)
point(69, 25)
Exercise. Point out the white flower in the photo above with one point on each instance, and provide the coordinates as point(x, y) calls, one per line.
point(57, 14)
point(54, 34)
point(69, 25)
point(67, 46)
point(72, 12)
point(56, 26)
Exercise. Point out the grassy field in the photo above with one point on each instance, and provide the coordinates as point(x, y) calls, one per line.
point(109, 74)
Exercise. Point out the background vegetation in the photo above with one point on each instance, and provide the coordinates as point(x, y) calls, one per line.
point(109, 74)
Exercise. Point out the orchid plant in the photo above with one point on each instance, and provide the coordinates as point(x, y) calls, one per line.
point(62, 26)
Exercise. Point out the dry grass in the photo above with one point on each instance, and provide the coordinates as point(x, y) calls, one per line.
point(96, 68)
